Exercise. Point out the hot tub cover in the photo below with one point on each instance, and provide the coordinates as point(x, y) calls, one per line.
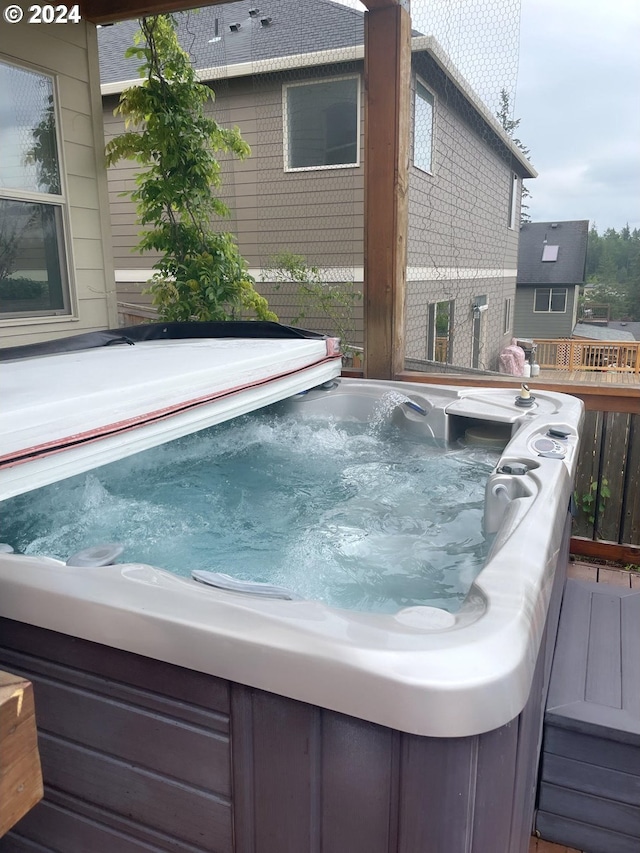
point(73, 404)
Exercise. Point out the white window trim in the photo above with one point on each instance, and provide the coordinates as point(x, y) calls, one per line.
point(515, 195)
point(508, 315)
point(424, 171)
point(61, 200)
point(548, 310)
point(285, 124)
point(432, 330)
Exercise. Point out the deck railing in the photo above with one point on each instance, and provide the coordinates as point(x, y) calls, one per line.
point(133, 315)
point(592, 312)
point(573, 354)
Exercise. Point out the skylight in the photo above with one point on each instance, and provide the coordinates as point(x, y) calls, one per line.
point(550, 253)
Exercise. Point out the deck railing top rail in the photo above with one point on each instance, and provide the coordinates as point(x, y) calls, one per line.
point(592, 312)
point(579, 354)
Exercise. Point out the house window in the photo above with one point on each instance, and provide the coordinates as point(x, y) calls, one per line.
point(33, 266)
point(514, 197)
point(423, 128)
point(440, 332)
point(508, 305)
point(550, 299)
point(322, 124)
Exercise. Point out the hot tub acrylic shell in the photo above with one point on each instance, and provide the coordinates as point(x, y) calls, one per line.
point(422, 670)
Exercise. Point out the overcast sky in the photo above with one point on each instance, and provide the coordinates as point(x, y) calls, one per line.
point(578, 98)
point(577, 93)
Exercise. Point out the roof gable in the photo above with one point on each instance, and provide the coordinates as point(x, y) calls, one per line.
point(541, 242)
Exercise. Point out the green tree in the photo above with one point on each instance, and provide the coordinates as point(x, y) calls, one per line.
point(331, 304)
point(613, 266)
point(44, 152)
point(14, 228)
point(200, 274)
point(510, 125)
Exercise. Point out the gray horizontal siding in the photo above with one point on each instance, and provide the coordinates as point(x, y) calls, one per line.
point(464, 292)
point(317, 214)
point(458, 220)
point(529, 324)
point(291, 306)
point(457, 216)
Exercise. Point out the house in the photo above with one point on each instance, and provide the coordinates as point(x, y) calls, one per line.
point(56, 268)
point(551, 268)
point(290, 76)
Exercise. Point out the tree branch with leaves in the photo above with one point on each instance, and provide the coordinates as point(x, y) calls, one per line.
point(200, 274)
point(510, 125)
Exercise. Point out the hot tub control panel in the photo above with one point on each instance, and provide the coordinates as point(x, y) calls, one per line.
point(546, 446)
point(553, 445)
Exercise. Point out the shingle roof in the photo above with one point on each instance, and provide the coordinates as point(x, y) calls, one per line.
point(631, 327)
point(600, 333)
point(289, 33)
point(571, 239)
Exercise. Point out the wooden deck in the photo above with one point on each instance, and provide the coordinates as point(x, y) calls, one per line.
point(539, 846)
point(618, 378)
point(589, 356)
point(596, 574)
point(603, 574)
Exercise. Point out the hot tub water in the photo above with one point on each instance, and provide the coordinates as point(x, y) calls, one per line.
point(359, 516)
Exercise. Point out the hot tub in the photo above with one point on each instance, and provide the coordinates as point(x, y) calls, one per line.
point(174, 713)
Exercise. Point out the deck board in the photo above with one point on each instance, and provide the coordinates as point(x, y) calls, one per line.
point(620, 378)
point(603, 574)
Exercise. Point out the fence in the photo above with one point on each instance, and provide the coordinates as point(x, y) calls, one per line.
point(592, 312)
point(132, 315)
point(565, 354)
point(608, 478)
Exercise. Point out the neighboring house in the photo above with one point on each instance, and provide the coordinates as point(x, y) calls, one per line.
point(56, 270)
point(551, 268)
point(290, 75)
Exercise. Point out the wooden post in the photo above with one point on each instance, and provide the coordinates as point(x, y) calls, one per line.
point(387, 66)
point(20, 774)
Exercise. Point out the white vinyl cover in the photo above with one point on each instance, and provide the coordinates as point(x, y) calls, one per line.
point(69, 412)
